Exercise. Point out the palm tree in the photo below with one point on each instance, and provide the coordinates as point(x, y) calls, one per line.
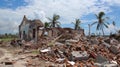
point(77, 24)
point(54, 21)
point(101, 22)
point(47, 25)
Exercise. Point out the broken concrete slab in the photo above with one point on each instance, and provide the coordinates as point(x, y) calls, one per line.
point(100, 59)
point(114, 49)
point(72, 41)
point(58, 44)
point(60, 60)
point(94, 41)
point(106, 44)
point(80, 55)
point(106, 64)
point(113, 41)
point(71, 62)
point(45, 50)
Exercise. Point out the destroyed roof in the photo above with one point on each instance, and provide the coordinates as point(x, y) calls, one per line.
point(67, 28)
point(55, 28)
point(36, 22)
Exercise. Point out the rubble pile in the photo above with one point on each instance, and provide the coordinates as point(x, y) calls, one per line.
point(82, 52)
point(97, 52)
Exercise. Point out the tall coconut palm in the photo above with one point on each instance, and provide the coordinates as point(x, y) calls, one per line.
point(77, 24)
point(54, 21)
point(101, 22)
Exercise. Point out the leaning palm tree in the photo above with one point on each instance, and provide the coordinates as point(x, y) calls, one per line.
point(54, 21)
point(77, 24)
point(101, 22)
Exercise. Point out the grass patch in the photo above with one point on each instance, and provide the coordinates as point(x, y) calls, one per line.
point(6, 39)
point(35, 52)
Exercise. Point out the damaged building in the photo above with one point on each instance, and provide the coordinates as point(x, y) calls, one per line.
point(34, 29)
point(55, 32)
point(30, 29)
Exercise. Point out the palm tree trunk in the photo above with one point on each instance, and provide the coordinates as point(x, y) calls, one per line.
point(89, 30)
point(53, 24)
point(76, 27)
point(103, 32)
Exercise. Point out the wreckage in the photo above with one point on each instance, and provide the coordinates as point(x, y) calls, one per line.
point(66, 47)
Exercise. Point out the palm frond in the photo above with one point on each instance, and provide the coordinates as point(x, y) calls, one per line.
point(98, 27)
point(106, 18)
point(58, 22)
point(93, 23)
point(49, 19)
point(106, 25)
point(96, 16)
point(73, 23)
point(114, 23)
point(58, 25)
point(56, 17)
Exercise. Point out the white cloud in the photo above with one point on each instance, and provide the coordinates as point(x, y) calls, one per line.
point(112, 2)
point(40, 9)
point(111, 28)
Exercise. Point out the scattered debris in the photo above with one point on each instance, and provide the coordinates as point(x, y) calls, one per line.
point(72, 52)
point(45, 50)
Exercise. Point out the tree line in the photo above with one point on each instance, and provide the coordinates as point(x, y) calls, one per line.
point(101, 23)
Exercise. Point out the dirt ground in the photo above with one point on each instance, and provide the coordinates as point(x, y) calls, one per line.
point(1, 53)
point(15, 57)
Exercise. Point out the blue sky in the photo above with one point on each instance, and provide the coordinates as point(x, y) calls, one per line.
point(12, 12)
point(12, 4)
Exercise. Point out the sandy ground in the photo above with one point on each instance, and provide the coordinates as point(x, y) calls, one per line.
point(10, 54)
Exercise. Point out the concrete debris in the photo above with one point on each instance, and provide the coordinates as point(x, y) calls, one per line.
point(114, 49)
point(106, 44)
point(101, 59)
point(113, 41)
point(45, 50)
point(77, 52)
point(80, 55)
point(107, 64)
point(60, 59)
point(58, 43)
point(72, 41)
point(71, 62)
